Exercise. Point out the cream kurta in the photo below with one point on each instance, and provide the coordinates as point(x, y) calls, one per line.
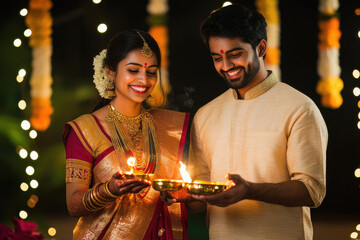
point(274, 135)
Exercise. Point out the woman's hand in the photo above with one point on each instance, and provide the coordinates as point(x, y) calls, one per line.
point(119, 185)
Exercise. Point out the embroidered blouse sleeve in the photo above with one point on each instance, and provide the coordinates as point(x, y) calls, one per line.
point(79, 161)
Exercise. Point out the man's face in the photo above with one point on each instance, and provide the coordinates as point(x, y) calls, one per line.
point(234, 60)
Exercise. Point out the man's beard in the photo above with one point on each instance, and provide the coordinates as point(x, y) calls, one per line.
point(247, 77)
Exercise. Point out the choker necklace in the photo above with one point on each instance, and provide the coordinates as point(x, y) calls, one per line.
point(133, 123)
point(147, 160)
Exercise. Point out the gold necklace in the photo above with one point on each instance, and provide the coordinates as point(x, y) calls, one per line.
point(124, 145)
point(133, 123)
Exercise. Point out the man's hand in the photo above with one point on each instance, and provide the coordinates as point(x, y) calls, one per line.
point(232, 195)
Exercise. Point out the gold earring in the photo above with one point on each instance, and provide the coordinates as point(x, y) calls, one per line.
point(110, 90)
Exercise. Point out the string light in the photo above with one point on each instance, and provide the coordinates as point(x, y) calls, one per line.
point(34, 155)
point(33, 134)
point(30, 170)
point(27, 33)
point(22, 72)
point(24, 186)
point(23, 214)
point(52, 231)
point(23, 12)
point(22, 104)
point(25, 124)
point(19, 79)
point(34, 184)
point(354, 235)
point(17, 42)
point(356, 91)
point(356, 73)
point(23, 153)
point(102, 28)
point(96, 1)
point(227, 3)
point(357, 173)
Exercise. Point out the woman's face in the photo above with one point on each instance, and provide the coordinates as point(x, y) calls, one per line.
point(136, 77)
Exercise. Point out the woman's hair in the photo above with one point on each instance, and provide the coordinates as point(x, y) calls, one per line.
point(119, 47)
point(235, 21)
point(124, 42)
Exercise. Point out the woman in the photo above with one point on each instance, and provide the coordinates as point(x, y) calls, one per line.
point(99, 145)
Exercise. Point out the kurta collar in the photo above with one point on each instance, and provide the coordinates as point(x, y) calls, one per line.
point(259, 89)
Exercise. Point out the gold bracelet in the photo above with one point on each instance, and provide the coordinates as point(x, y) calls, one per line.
point(98, 199)
point(86, 202)
point(91, 201)
point(107, 190)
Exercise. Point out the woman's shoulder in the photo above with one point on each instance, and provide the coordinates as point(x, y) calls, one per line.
point(90, 118)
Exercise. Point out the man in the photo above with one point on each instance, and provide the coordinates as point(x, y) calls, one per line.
point(269, 137)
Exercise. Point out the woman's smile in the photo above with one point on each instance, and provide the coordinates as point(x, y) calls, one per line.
point(139, 89)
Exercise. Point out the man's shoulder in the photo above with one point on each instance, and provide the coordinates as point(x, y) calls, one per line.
point(291, 94)
point(216, 102)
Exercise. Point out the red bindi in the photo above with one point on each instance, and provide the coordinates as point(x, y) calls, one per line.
point(221, 51)
point(145, 65)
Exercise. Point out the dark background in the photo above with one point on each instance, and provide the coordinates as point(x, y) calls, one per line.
point(193, 80)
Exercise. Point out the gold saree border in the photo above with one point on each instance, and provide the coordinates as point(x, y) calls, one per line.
point(78, 171)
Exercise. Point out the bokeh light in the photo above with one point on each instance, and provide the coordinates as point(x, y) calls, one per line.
point(23, 12)
point(30, 170)
point(23, 214)
point(17, 42)
point(22, 104)
point(23, 153)
point(102, 28)
point(25, 124)
point(24, 186)
point(33, 134)
point(34, 155)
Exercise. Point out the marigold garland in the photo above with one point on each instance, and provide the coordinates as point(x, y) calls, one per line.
point(157, 21)
point(39, 21)
point(269, 9)
point(330, 83)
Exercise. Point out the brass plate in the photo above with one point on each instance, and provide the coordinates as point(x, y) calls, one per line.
point(167, 184)
point(205, 187)
point(141, 176)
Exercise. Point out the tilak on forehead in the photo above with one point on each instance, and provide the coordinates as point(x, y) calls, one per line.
point(145, 65)
point(221, 51)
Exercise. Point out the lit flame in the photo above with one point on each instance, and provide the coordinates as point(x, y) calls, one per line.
point(131, 163)
point(184, 174)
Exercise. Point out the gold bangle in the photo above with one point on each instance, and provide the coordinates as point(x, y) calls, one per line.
point(107, 190)
point(86, 202)
point(98, 199)
point(101, 197)
point(90, 200)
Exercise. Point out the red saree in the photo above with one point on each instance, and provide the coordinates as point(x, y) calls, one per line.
point(90, 158)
